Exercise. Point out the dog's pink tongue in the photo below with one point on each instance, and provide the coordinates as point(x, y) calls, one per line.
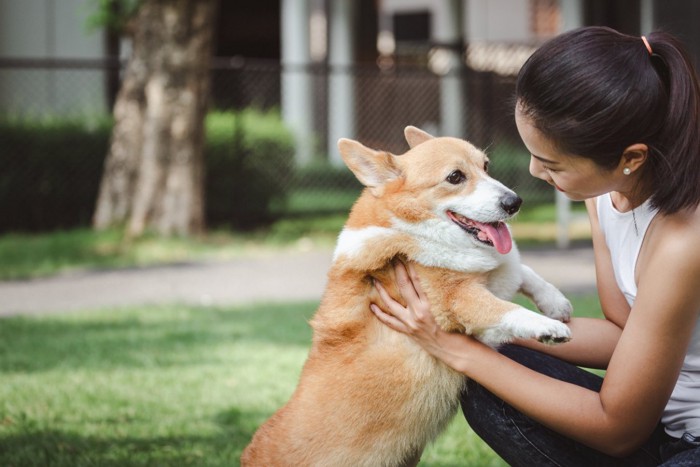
point(499, 235)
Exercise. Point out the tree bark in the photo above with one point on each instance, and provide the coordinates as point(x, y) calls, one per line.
point(153, 176)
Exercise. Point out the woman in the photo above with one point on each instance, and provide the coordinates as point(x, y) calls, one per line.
point(613, 120)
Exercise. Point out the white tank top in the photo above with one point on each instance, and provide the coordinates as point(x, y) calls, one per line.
point(624, 233)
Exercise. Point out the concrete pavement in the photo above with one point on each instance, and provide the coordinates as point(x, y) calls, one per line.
point(286, 276)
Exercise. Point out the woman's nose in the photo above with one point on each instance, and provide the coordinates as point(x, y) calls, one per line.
point(536, 169)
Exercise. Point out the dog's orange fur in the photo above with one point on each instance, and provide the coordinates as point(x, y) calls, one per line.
point(368, 395)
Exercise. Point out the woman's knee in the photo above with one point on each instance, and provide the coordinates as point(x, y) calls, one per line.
point(481, 408)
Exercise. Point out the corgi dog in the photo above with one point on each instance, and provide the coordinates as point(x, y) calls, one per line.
point(368, 395)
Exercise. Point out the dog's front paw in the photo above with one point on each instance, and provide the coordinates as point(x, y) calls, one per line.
point(525, 324)
point(554, 304)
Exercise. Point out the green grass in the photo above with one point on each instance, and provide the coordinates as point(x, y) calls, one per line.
point(168, 385)
point(301, 202)
point(36, 255)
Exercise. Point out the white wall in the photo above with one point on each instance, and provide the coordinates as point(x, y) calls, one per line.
point(47, 28)
point(484, 20)
point(498, 20)
point(56, 29)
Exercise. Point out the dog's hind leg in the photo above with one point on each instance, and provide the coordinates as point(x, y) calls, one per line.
point(412, 461)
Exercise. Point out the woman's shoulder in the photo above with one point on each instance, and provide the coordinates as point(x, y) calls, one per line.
point(669, 264)
point(676, 236)
point(685, 222)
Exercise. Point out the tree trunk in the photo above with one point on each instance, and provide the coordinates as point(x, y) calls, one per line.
point(153, 176)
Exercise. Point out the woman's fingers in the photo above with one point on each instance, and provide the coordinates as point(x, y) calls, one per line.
point(415, 280)
point(416, 300)
point(405, 283)
point(387, 319)
point(392, 305)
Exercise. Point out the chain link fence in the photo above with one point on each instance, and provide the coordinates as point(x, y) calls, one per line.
point(55, 128)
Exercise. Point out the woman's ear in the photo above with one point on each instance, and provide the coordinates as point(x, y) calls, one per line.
point(634, 156)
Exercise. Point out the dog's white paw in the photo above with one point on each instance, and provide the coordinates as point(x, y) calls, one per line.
point(549, 299)
point(525, 324)
point(554, 304)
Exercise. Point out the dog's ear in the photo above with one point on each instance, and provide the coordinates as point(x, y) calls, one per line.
point(415, 136)
point(372, 168)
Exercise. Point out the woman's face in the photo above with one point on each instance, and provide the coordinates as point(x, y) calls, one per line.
point(576, 177)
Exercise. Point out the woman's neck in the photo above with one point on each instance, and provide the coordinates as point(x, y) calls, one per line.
point(627, 201)
point(632, 194)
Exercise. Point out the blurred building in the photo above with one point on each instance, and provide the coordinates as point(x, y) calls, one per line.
point(34, 35)
point(351, 68)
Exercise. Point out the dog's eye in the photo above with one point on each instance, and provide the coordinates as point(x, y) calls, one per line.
point(456, 177)
point(486, 166)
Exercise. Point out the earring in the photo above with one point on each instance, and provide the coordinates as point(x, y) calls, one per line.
point(626, 171)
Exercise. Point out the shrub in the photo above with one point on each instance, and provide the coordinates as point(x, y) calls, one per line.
point(50, 171)
point(320, 188)
point(509, 165)
point(249, 163)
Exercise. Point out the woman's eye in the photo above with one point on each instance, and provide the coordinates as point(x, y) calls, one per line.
point(456, 177)
point(548, 169)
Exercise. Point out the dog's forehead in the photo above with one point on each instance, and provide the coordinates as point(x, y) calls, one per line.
point(442, 152)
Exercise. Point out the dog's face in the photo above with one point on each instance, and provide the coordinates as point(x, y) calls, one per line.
point(439, 189)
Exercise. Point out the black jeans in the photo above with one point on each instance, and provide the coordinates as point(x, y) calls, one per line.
point(521, 441)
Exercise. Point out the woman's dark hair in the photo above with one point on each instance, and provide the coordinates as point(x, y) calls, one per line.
point(594, 91)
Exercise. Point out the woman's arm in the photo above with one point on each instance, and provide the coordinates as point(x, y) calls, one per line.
point(612, 301)
point(642, 371)
point(594, 340)
point(592, 343)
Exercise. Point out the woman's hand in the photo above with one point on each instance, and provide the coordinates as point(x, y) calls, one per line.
point(416, 320)
point(416, 317)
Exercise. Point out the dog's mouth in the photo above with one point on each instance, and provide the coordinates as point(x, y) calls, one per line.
point(495, 234)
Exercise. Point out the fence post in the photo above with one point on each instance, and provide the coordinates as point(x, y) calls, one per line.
point(297, 102)
point(341, 95)
point(571, 14)
point(646, 16)
point(452, 100)
point(563, 220)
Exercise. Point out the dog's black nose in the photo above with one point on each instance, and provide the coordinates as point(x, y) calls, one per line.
point(510, 203)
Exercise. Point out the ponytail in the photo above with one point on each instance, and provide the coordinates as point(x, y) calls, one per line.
point(674, 162)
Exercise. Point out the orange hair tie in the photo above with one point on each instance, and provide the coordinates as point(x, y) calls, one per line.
point(646, 43)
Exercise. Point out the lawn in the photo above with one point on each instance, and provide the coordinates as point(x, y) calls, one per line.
point(25, 256)
point(168, 385)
